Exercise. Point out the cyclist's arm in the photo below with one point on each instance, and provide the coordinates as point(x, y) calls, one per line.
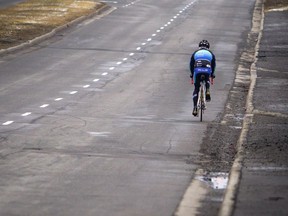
point(192, 62)
point(213, 65)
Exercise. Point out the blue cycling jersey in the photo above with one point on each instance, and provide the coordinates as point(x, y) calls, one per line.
point(203, 55)
point(203, 60)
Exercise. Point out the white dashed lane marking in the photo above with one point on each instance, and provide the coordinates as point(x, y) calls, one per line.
point(7, 123)
point(26, 114)
point(118, 63)
point(44, 105)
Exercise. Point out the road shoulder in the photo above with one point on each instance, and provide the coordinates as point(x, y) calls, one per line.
point(263, 186)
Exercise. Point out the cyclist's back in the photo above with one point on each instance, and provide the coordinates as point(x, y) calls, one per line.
point(203, 62)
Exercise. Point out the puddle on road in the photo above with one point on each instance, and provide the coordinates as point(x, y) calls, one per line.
point(217, 180)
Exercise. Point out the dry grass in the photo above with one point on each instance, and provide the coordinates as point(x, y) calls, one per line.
point(33, 18)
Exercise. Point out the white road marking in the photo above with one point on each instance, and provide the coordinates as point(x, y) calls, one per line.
point(99, 134)
point(118, 63)
point(44, 105)
point(271, 168)
point(7, 123)
point(26, 114)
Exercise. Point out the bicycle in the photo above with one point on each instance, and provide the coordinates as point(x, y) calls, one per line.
point(201, 103)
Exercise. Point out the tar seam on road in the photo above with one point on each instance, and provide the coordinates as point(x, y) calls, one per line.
point(228, 204)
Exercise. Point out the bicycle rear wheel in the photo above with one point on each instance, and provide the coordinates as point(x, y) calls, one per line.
point(201, 109)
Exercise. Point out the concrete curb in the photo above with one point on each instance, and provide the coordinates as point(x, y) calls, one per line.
point(100, 11)
point(228, 205)
point(193, 196)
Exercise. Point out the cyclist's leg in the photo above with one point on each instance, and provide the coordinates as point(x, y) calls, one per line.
point(196, 89)
point(207, 80)
point(196, 93)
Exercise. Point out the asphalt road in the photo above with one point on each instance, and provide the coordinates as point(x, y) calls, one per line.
point(97, 120)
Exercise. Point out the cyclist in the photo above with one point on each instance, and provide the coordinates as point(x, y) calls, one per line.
point(202, 62)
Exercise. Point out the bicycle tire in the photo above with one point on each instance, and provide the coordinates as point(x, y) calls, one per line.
point(201, 108)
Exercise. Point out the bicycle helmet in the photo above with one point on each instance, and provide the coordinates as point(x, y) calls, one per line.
point(204, 44)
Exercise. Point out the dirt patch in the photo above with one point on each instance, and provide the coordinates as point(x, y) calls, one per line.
point(33, 18)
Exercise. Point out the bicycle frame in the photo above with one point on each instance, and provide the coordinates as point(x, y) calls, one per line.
point(201, 103)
